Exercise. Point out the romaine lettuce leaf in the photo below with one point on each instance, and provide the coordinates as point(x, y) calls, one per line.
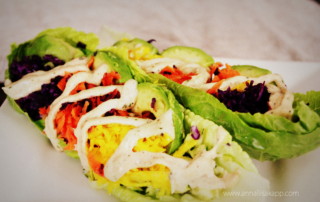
point(73, 37)
point(264, 137)
point(311, 98)
point(115, 62)
point(231, 160)
point(64, 43)
point(60, 44)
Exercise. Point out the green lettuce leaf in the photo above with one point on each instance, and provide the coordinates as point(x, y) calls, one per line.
point(231, 160)
point(73, 37)
point(178, 117)
point(311, 98)
point(264, 137)
point(60, 42)
point(127, 64)
point(114, 60)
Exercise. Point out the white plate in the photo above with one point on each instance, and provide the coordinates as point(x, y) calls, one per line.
point(31, 170)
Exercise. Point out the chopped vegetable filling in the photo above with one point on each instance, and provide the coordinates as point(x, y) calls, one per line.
point(176, 75)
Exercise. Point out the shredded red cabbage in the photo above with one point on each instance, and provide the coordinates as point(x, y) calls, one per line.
point(41, 98)
point(32, 63)
point(195, 134)
point(253, 99)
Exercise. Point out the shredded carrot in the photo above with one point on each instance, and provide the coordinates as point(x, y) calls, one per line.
point(43, 111)
point(217, 73)
point(65, 121)
point(176, 75)
point(81, 86)
point(228, 72)
point(62, 83)
point(68, 117)
point(110, 78)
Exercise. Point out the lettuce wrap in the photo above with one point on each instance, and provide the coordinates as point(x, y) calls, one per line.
point(48, 50)
point(252, 103)
point(140, 159)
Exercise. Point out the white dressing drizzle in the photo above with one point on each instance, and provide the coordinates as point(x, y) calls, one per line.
point(94, 77)
point(198, 172)
point(128, 96)
point(54, 109)
point(129, 88)
point(157, 64)
point(33, 81)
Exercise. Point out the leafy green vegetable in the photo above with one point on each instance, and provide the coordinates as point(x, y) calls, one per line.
point(62, 43)
point(47, 48)
point(311, 98)
point(264, 137)
point(231, 160)
point(139, 46)
point(73, 37)
point(115, 62)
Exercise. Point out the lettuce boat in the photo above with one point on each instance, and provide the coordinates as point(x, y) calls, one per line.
point(252, 103)
point(48, 50)
point(139, 159)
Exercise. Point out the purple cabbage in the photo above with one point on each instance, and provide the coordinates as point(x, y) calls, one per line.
point(42, 98)
point(195, 134)
point(28, 64)
point(254, 99)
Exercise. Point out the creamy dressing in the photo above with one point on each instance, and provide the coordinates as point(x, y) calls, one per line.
point(195, 173)
point(54, 109)
point(82, 142)
point(128, 97)
point(94, 77)
point(183, 173)
point(128, 88)
point(157, 64)
point(33, 81)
